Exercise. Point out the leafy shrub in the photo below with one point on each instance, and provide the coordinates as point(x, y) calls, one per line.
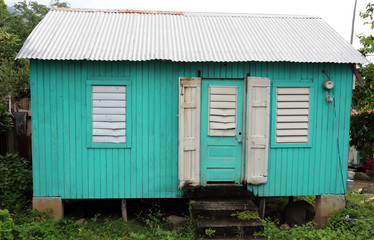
point(354, 221)
point(5, 118)
point(362, 134)
point(6, 225)
point(16, 183)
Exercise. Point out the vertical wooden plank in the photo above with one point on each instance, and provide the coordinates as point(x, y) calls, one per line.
point(124, 176)
point(329, 139)
point(169, 132)
point(97, 180)
point(102, 173)
point(42, 140)
point(110, 171)
point(65, 120)
point(146, 133)
point(35, 78)
point(59, 129)
point(311, 152)
point(163, 128)
point(47, 129)
point(140, 120)
point(53, 126)
point(85, 157)
point(324, 133)
point(115, 173)
point(157, 129)
point(79, 104)
point(72, 131)
point(151, 127)
point(134, 149)
point(174, 114)
point(344, 120)
point(319, 133)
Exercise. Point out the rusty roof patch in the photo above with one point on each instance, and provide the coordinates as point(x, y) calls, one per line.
point(118, 11)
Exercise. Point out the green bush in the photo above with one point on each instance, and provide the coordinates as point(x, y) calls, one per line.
point(40, 226)
point(16, 183)
point(6, 225)
point(5, 118)
point(354, 221)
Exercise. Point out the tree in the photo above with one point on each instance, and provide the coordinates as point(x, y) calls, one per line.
point(14, 29)
point(362, 124)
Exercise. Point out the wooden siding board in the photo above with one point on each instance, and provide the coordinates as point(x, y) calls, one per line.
point(163, 83)
point(151, 127)
point(145, 129)
point(157, 131)
point(35, 119)
point(79, 107)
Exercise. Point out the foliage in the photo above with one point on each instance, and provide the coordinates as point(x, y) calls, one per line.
point(5, 118)
point(42, 226)
point(246, 215)
point(210, 232)
point(355, 221)
point(16, 183)
point(14, 29)
point(362, 134)
point(363, 96)
point(6, 225)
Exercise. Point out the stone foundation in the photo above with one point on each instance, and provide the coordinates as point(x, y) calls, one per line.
point(55, 203)
point(325, 207)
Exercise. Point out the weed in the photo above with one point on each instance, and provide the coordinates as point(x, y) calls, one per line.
point(240, 232)
point(246, 215)
point(210, 232)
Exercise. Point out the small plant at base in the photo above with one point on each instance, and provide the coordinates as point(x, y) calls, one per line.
point(210, 232)
point(240, 232)
point(246, 215)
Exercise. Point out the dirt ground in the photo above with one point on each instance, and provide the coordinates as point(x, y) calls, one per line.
point(360, 184)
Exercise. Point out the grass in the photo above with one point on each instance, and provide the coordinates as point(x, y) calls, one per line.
point(36, 225)
point(355, 221)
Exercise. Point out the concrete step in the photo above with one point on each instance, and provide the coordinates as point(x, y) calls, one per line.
point(224, 205)
point(221, 191)
point(216, 214)
point(228, 227)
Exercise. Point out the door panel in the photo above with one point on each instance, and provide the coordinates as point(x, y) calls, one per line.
point(221, 131)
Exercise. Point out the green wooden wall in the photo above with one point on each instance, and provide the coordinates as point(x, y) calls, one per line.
point(64, 165)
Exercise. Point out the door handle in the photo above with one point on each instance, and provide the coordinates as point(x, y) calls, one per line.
point(239, 137)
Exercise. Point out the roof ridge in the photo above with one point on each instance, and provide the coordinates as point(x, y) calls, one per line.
point(259, 15)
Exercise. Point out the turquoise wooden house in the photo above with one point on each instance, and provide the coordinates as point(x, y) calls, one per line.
point(140, 104)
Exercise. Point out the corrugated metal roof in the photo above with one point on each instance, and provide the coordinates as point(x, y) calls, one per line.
point(114, 35)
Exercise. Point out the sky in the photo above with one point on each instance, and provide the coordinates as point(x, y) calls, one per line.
point(337, 13)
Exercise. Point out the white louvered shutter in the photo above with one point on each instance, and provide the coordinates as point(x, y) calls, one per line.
point(292, 120)
point(189, 132)
point(258, 110)
point(108, 114)
point(222, 110)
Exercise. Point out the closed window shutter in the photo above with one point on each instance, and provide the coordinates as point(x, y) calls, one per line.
point(222, 110)
point(257, 144)
point(292, 120)
point(189, 132)
point(108, 114)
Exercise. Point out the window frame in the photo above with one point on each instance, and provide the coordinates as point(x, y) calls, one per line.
point(110, 81)
point(273, 110)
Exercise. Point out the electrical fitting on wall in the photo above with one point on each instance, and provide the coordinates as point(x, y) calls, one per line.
point(328, 85)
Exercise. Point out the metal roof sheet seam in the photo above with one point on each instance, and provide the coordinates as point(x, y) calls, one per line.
point(134, 35)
